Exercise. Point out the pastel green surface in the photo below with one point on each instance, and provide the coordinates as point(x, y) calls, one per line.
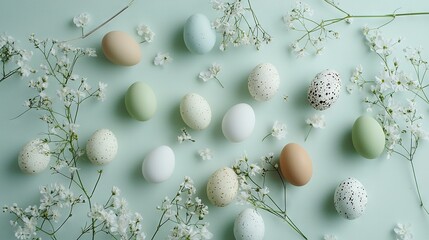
point(368, 137)
point(140, 101)
point(391, 191)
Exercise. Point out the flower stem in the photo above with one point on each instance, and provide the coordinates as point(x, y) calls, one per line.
point(219, 82)
point(269, 134)
point(418, 188)
point(308, 133)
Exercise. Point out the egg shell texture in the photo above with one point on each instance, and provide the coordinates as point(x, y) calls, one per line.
point(238, 122)
point(350, 198)
point(198, 35)
point(249, 225)
point(324, 90)
point(263, 82)
point(120, 48)
point(159, 164)
point(102, 147)
point(195, 111)
point(140, 101)
point(295, 164)
point(368, 137)
point(34, 157)
point(222, 187)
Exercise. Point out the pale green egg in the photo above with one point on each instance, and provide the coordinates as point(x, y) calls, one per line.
point(140, 101)
point(368, 137)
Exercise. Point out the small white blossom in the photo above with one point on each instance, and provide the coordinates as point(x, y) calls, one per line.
point(162, 58)
point(184, 136)
point(403, 232)
point(211, 73)
point(145, 32)
point(81, 20)
point(278, 131)
point(316, 121)
point(205, 153)
point(330, 237)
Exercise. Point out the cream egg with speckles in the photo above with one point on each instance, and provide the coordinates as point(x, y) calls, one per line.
point(350, 198)
point(249, 225)
point(34, 157)
point(102, 147)
point(195, 111)
point(222, 187)
point(263, 82)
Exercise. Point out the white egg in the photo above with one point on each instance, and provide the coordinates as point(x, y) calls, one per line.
point(195, 111)
point(324, 90)
point(238, 122)
point(222, 187)
point(102, 147)
point(159, 164)
point(350, 198)
point(34, 156)
point(249, 225)
point(263, 82)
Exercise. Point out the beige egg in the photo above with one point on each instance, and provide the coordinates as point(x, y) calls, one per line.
point(120, 48)
point(295, 165)
point(222, 187)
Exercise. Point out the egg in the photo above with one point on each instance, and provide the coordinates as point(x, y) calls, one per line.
point(263, 82)
point(249, 225)
point(350, 198)
point(158, 165)
point(198, 34)
point(238, 122)
point(34, 157)
point(222, 187)
point(140, 101)
point(324, 90)
point(120, 48)
point(102, 147)
point(295, 164)
point(195, 111)
point(368, 137)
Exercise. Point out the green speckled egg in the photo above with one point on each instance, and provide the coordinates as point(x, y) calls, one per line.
point(368, 137)
point(140, 101)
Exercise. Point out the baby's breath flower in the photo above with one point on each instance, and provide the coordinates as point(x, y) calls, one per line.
point(211, 73)
point(205, 154)
point(403, 231)
point(316, 121)
point(184, 136)
point(145, 33)
point(81, 20)
point(330, 237)
point(278, 131)
point(162, 58)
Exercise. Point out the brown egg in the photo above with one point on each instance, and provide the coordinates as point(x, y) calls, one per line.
point(120, 48)
point(295, 165)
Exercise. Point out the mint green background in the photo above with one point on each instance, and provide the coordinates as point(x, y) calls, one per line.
point(392, 196)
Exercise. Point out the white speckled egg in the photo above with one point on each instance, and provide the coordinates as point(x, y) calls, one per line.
point(249, 225)
point(350, 198)
point(102, 147)
point(195, 111)
point(222, 187)
point(198, 34)
point(263, 82)
point(34, 156)
point(238, 122)
point(324, 90)
point(159, 164)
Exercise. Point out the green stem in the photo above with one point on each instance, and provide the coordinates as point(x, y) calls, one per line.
point(269, 134)
point(418, 188)
point(219, 82)
point(308, 133)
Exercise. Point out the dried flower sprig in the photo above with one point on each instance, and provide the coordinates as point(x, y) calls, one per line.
point(236, 27)
point(184, 136)
point(254, 190)
point(394, 94)
point(316, 121)
point(279, 131)
point(211, 73)
point(14, 60)
point(317, 32)
point(186, 212)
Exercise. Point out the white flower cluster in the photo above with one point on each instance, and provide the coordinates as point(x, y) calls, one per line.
point(235, 28)
point(14, 60)
point(205, 154)
point(279, 131)
point(29, 221)
point(211, 73)
point(330, 237)
point(81, 20)
point(186, 212)
point(145, 33)
point(184, 136)
point(115, 218)
point(395, 93)
point(316, 121)
point(403, 231)
point(162, 58)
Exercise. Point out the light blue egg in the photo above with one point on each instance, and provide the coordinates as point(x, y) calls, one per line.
point(198, 34)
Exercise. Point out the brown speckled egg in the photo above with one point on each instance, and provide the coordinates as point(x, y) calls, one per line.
point(295, 165)
point(324, 90)
point(222, 187)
